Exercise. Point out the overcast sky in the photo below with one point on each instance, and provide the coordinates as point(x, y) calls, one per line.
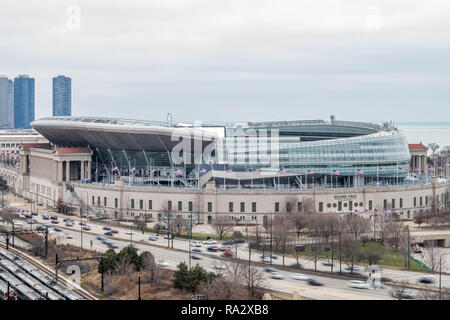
point(235, 60)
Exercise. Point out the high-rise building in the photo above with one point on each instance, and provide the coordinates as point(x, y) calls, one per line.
point(11, 104)
point(62, 96)
point(23, 101)
point(4, 107)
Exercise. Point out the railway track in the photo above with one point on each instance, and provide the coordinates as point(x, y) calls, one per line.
point(50, 273)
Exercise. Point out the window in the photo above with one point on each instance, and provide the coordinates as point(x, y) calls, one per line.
point(242, 206)
point(169, 205)
point(132, 203)
point(384, 204)
point(420, 201)
point(339, 205)
point(180, 205)
point(415, 201)
point(105, 201)
point(401, 202)
point(288, 207)
point(98, 201)
point(320, 206)
point(116, 202)
point(93, 200)
point(209, 206)
point(393, 203)
point(426, 200)
point(150, 205)
point(350, 206)
point(141, 204)
point(300, 206)
point(190, 206)
point(230, 206)
point(277, 207)
point(253, 206)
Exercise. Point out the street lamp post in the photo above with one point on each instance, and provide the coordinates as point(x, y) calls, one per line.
point(440, 272)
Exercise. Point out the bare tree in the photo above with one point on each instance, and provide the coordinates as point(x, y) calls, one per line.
point(253, 278)
point(179, 225)
point(350, 250)
point(299, 222)
point(124, 267)
point(356, 225)
point(222, 288)
point(282, 233)
point(222, 225)
point(149, 266)
point(7, 214)
point(431, 254)
point(396, 230)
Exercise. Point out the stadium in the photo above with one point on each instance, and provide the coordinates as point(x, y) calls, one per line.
point(282, 154)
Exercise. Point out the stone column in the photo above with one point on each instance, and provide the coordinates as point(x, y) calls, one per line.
point(67, 171)
point(89, 170)
point(424, 163)
point(60, 174)
point(82, 170)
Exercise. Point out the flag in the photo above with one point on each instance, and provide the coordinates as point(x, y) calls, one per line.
point(282, 170)
point(417, 169)
point(178, 171)
point(382, 169)
point(356, 211)
point(430, 169)
point(335, 172)
point(401, 169)
point(96, 170)
point(132, 169)
point(229, 171)
point(203, 171)
point(447, 164)
point(439, 168)
point(256, 171)
point(115, 169)
point(310, 172)
point(153, 170)
point(360, 171)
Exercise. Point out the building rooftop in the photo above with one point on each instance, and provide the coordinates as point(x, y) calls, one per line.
point(415, 146)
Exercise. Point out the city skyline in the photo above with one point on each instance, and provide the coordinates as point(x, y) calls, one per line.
point(24, 101)
point(62, 96)
point(241, 61)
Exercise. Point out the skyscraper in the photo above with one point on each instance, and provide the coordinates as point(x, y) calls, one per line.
point(11, 104)
point(62, 96)
point(23, 101)
point(4, 102)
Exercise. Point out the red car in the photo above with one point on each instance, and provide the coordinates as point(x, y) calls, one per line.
point(114, 231)
point(228, 254)
point(213, 249)
point(55, 221)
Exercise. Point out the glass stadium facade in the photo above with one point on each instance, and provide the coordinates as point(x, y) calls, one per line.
point(267, 153)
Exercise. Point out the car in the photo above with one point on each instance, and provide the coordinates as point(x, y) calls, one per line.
point(45, 217)
point(58, 229)
point(196, 244)
point(196, 257)
point(359, 284)
point(270, 269)
point(69, 236)
point(153, 238)
point(112, 245)
point(109, 233)
point(55, 221)
point(427, 279)
point(276, 275)
point(296, 266)
point(68, 224)
point(197, 250)
point(114, 231)
point(65, 219)
point(53, 218)
point(328, 263)
point(300, 276)
point(106, 228)
point(211, 272)
point(86, 227)
point(210, 241)
point(31, 221)
point(106, 241)
point(100, 237)
point(266, 260)
point(213, 249)
point(228, 242)
point(47, 225)
point(350, 270)
point(228, 254)
point(219, 266)
point(34, 213)
point(274, 256)
point(239, 240)
point(224, 248)
point(315, 282)
point(129, 233)
point(168, 236)
point(408, 294)
point(162, 263)
point(82, 223)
